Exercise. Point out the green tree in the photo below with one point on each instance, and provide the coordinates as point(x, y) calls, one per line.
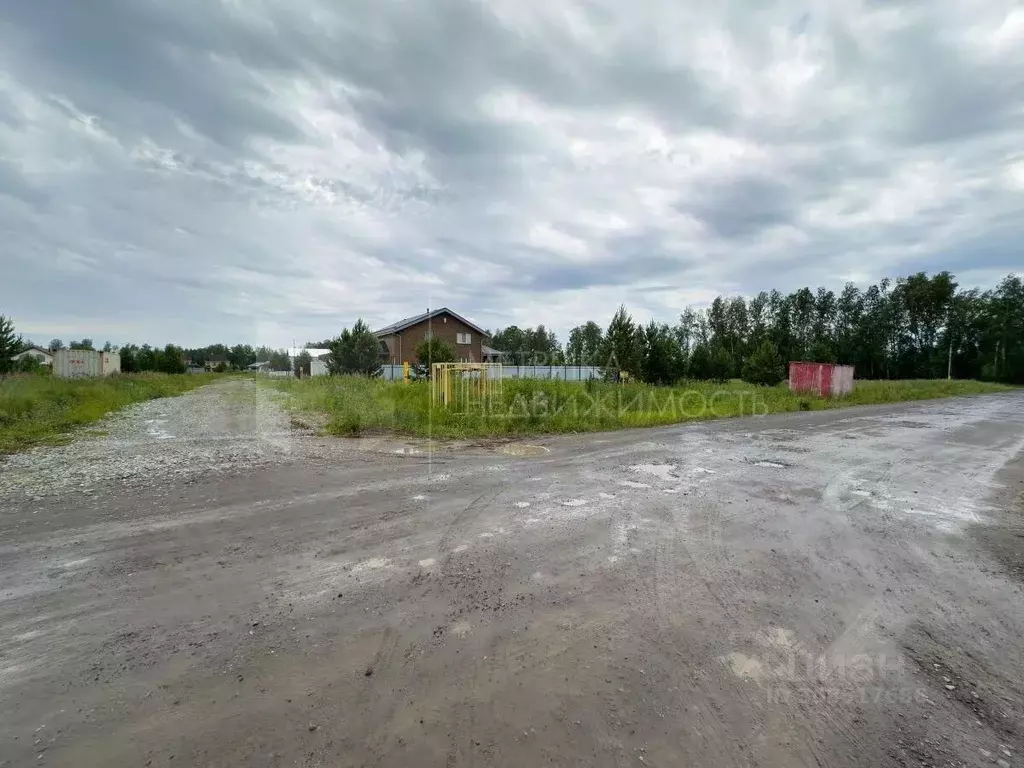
point(241, 356)
point(171, 359)
point(28, 364)
point(430, 351)
point(55, 344)
point(511, 340)
point(821, 351)
point(303, 364)
point(279, 360)
point(698, 366)
point(661, 355)
point(83, 344)
point(10, 344)
point(584, 345)
point(738, 323)
point(532, 346)
point(623, 347)
point(849, 314)
point(926, 303)
point(148, 358)
point(541, 347)
point(687, 333)
point(129, 363)
point(764, 366)
point(356, 350)
point(721, 364)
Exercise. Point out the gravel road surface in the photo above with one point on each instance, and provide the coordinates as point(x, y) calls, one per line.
point(205, 586)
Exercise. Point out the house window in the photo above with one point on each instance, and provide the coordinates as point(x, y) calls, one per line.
point(464, 338)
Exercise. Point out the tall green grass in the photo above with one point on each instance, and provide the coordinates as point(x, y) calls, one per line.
point(355, 406)
point(40, 409)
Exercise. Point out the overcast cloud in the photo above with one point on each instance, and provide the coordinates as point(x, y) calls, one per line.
point(264, 170)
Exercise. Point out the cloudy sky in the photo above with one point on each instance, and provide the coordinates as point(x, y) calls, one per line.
point(268, 170)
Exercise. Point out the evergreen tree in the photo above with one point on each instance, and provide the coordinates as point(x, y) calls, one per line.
point(699, 366)
point(430, 351)
point(355, 351)
point(622, 350)
point(720, 364)
point(661, 355)
point(303, 364)
point(764, 366)
point(10, 344)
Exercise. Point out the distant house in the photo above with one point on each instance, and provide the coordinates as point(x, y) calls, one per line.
point(399, 340)
point(41, 356)
point(492, 355)
point(264, 366)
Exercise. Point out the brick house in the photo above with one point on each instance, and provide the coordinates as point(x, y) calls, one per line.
point(399, 340)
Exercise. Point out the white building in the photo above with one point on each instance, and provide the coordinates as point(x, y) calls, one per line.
point(42, 356)
point(318, 367)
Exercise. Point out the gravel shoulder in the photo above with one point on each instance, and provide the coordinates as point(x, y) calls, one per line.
point(226, 427)
point(832, 588)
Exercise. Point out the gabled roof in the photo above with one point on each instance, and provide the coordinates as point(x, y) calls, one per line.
point(37, 349)
point(491, 351)
point(408, 322)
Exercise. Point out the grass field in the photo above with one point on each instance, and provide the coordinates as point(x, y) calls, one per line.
point(354, 406)
point(41, 409)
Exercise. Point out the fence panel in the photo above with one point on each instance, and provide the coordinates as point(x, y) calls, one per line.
point(563, 372)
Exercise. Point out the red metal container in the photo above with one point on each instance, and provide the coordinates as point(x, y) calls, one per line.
point(824, 379)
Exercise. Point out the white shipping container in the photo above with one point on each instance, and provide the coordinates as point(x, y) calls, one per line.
point(77, 363)
point(111, 363)
point(842, 380)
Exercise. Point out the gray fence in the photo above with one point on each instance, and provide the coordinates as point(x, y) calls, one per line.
point(563, 372)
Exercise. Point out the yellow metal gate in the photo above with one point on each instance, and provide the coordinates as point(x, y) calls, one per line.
point(465, 386)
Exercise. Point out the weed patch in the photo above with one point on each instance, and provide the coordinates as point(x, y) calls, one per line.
point(42, 409)
point(353, 406)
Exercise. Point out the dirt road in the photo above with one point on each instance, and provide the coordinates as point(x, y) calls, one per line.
point(839, 589)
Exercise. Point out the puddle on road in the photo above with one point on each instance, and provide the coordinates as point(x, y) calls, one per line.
point(524, 450)
point(155, 429)
point(770, 463)
point(661, 471)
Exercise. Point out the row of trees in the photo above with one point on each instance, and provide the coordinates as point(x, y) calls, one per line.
point(140, 359)
point(86, 343)
point(919, 326)
point(523, 346)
